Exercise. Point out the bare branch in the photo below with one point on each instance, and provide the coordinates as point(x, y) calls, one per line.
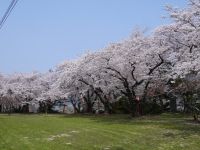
point(151, 70)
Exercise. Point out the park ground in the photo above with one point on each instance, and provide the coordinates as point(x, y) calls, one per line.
point(109, 132)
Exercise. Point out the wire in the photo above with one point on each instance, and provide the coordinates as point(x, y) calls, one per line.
point(7, 13)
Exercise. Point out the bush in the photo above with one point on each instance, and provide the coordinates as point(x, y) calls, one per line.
point(151, 107)
point(120, 106)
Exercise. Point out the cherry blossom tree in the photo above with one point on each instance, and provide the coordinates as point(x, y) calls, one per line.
point(181, 39)
point(130, 68)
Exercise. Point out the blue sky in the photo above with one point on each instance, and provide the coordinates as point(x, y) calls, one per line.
point(42, 33)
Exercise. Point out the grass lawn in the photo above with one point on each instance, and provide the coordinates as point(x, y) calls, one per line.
point(115, 132)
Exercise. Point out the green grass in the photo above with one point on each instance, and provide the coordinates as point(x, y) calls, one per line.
point(115, 132)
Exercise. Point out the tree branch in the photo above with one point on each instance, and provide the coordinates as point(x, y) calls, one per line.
point(151, 70)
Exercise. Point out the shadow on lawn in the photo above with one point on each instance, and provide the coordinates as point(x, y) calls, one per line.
point(105, 119)
point(180, 122)
point(127, 119)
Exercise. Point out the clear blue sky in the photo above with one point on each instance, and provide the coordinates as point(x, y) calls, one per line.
point(42, 33)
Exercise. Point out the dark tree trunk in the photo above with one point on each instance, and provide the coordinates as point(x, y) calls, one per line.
point(173, 107)
point(74, 104)
point(195, 117)
point(89, 102)
point(104, 101)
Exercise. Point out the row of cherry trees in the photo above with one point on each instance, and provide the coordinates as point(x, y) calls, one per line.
point(131, 69)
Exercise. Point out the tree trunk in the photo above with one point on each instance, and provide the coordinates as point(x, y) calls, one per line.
point(173, 107)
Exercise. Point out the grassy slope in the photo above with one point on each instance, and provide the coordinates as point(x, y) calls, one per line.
point(57, 132)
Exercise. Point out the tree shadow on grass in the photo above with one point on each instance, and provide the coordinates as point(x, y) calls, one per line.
point(166, 122)
point(106, 119)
